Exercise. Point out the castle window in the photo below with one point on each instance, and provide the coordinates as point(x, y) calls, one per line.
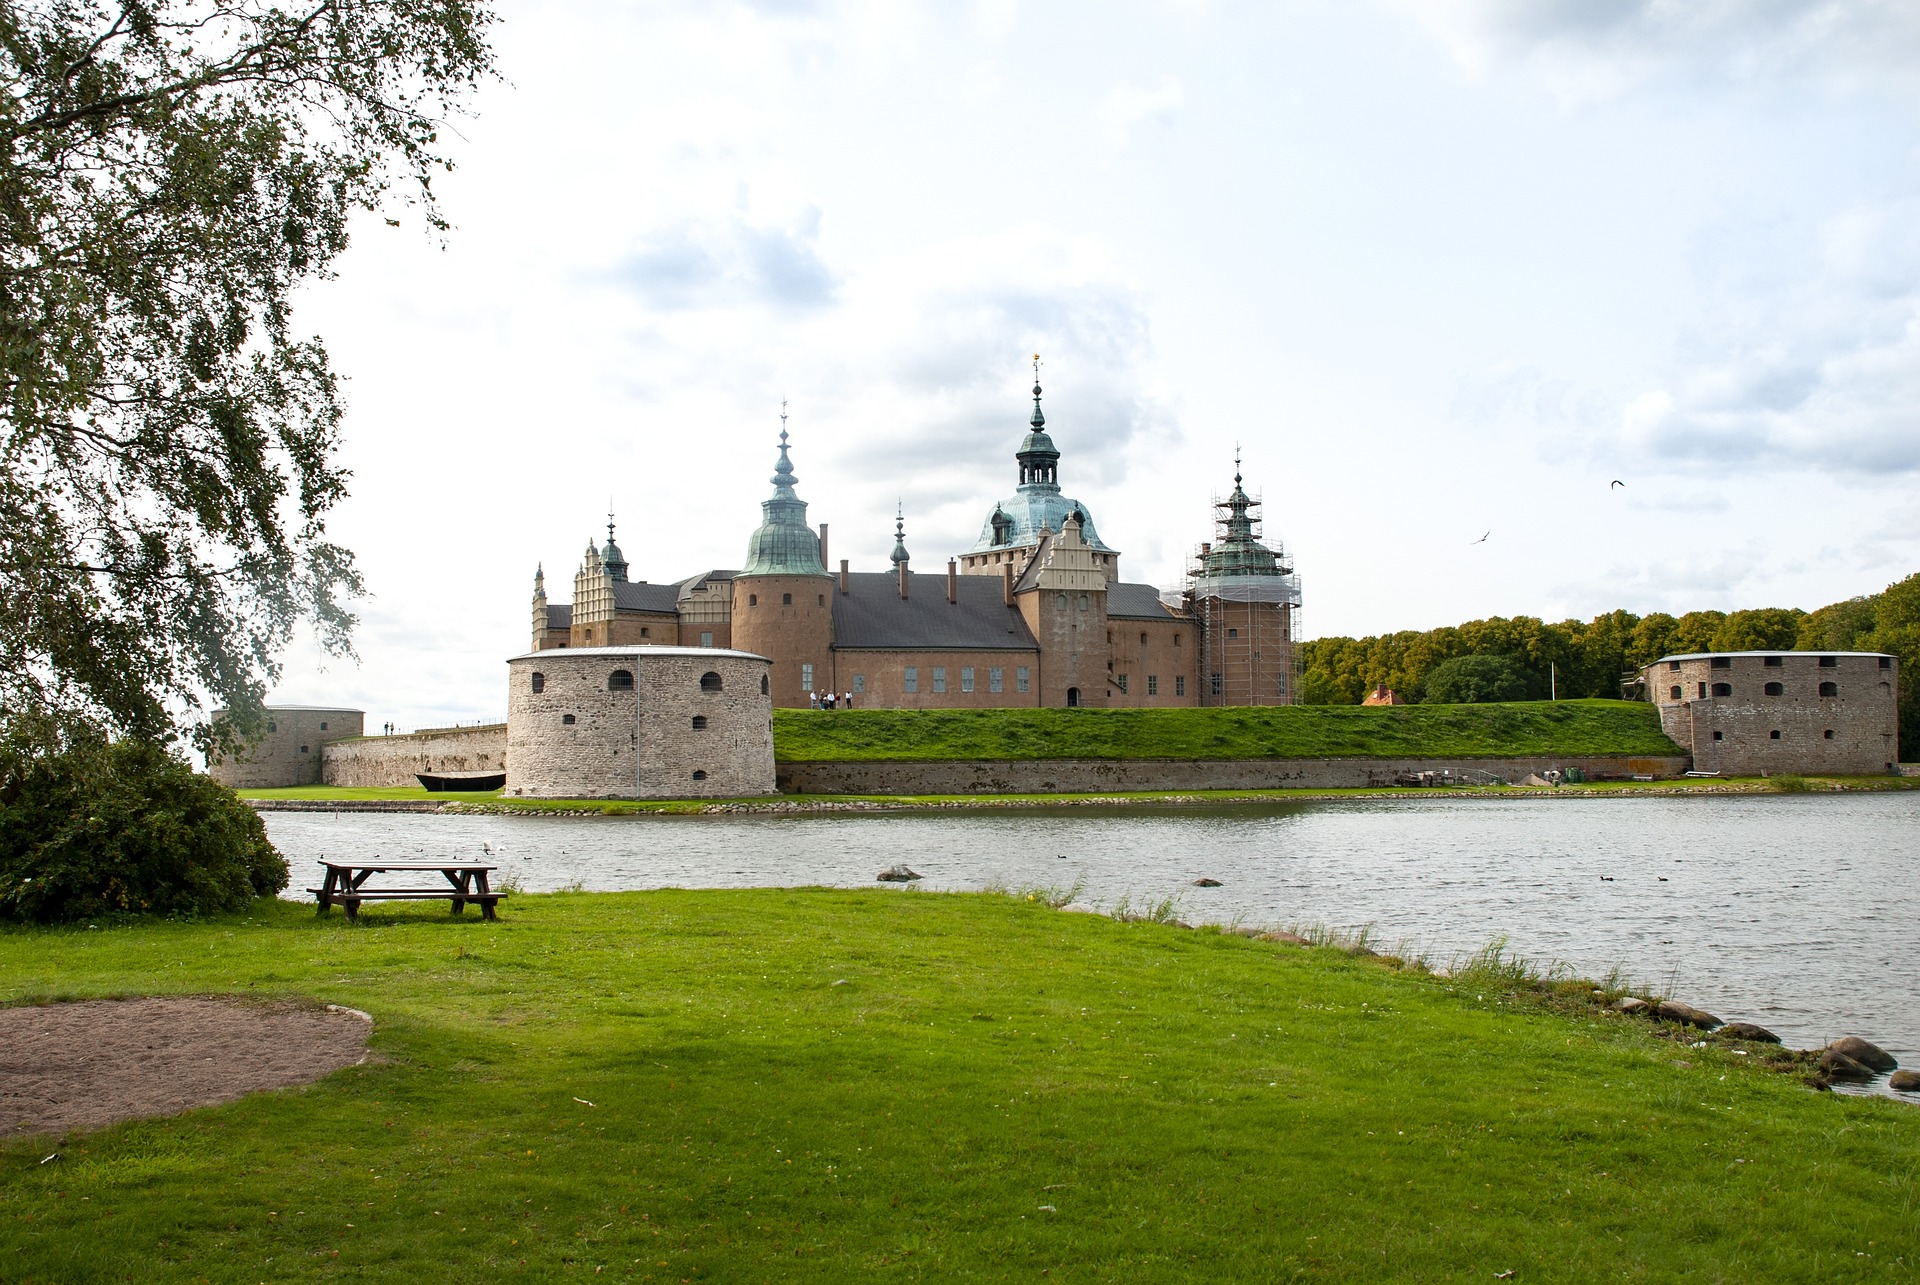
point(910, 679)
point(567, 719)
point(1776, 689)
point(643, 631)
point(786, 600)
point(1233, 633)
point(1719, 736)
point(699, 775)
point(303, 749)
point(1829, 662)
point(1143, 640)
point(706, 639)
point(1020, 679)
point(709, 682)
point(1674, 694)
point(1829, 689)
point(939, 678)
point(1886, 662)
point(1723, 689)
point(996, 679)
point(753, 600)
point(1674, 665)
point(1703, 691)
point(1179, 684)
point(1153, 684)
point(699, 722)
point(806, 678)
point(859, 682)
point(323, 727)
point(1083, 602)
point(1720, 662)
point(966, 678)
point(1829, 733)
point(539, 683)
point(1773, 662)
point(272, 726)
point(1120, 681)
point(822, 597)
point(763, 684)
point(620, 680)
point(1176, 640)
point(1060, 601)
point(1774, 735)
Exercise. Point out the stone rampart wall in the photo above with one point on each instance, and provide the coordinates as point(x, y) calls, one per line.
point(392, 760)
point(1077, 776)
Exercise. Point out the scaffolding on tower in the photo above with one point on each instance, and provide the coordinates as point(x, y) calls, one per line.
point(1245, 596)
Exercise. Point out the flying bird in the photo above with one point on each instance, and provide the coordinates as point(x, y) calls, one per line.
point(1616, 482)
point(1481, 540)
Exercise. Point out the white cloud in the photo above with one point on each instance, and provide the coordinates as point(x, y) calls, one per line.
point(1129, 109)
point(1590, 49)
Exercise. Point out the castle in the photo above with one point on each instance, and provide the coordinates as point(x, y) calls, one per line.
point(1035, 614)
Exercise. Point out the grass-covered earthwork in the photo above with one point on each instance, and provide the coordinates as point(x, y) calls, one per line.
point(1293, 731)
point(817, 1085)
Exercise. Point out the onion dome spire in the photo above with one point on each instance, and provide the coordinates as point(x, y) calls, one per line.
point(899, 554)
point(611, 557)
point(784, 545)
point(1039, 461)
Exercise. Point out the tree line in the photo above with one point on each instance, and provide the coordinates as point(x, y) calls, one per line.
point(1591, 658)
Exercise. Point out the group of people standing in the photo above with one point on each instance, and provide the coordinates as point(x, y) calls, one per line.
point(828, 700)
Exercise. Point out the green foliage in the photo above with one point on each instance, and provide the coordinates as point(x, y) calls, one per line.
point(1593, 656)
point(1475, 680)
point(171, 173)
point(1237, 732)
point(598, 1085)
point(121, 828)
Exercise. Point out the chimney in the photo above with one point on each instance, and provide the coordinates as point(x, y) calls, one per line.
point(823, 546)
point(1206, 547)
point(953, 581)
point(843, 575)
point(901, 567)
point(1006, 582)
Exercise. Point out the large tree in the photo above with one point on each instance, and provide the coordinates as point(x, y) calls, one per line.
point(170, 172)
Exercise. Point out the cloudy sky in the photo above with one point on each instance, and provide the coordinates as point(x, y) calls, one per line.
point(1438, 267)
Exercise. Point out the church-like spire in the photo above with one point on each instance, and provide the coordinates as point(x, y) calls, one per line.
point(1039, 461)
point(1039, 421)
point(611, 557)
point(539, 582)
point(899, 554)
point(784, 545)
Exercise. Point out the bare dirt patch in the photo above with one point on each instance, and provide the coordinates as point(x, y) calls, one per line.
point(89, 1064)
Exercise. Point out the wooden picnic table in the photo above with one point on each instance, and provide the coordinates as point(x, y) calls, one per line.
point(345, 885)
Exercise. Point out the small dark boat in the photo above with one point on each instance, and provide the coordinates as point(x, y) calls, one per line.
point(460, 782)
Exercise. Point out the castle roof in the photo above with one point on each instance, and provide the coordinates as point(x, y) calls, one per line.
point(1038, 502)
point(629, 595)
point(872, 615)
point(1136, 602)
point(784, 545)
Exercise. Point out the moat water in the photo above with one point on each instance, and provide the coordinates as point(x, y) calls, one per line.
point(1800, 912)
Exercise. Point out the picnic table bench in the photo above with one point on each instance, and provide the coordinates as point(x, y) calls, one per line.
point(345, 887)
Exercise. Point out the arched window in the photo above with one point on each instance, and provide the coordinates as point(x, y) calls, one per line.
point(1674, 693)
point(1829, 689)
point(699, 776)
point(786, 600)
point(763, 684)
point(1723, 689)
point(709, 682)
point(1073, 698)
point(1776, 689)
point(620, 680)
point(699, 722)
point(539, 683)
point(753, 600)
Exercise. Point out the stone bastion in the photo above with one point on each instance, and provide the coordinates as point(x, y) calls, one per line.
point(639, 723)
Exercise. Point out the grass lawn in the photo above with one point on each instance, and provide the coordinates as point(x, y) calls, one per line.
point(827, 1085)
point(1295, 731)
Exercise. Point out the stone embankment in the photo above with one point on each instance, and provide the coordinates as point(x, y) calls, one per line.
point(1083, 776)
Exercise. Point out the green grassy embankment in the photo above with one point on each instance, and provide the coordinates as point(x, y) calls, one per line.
point(819, 1085)
point(1294, 731)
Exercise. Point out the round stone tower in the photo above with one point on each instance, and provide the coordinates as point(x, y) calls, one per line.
point(783, 596)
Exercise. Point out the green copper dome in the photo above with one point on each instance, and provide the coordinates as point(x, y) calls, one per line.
point(1240, 553)
point(784, 545)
